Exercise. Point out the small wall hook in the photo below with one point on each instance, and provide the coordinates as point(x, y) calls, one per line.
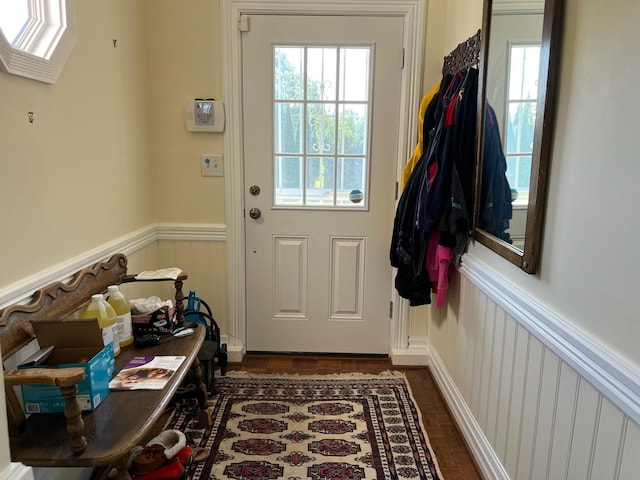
point(115, 42)
point(31, 117)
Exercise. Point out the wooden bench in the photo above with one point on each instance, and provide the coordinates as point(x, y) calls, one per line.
point(124, 418)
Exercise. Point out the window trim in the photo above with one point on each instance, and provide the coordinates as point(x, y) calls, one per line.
point(52, 42)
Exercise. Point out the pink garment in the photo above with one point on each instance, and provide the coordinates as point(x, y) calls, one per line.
point(444, 255)
point(437, 262)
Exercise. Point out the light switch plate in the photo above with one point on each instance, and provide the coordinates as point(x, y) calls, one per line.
point(211, 165)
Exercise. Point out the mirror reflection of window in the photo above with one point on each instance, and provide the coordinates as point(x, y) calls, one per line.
point(522, 81)
point(519, 32)
point(512, 90)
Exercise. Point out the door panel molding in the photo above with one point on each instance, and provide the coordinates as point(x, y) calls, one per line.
point(290, 255)
point(233, 19)
point(347, 278)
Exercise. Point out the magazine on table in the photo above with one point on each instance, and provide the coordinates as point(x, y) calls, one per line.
point(146, 373)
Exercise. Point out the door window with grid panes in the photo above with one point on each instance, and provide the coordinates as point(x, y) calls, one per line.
point(321, 110)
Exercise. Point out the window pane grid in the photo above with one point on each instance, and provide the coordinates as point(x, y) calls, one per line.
point(521, 115)
point(321, 105)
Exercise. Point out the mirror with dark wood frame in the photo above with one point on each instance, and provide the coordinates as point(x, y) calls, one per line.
point(518, 70)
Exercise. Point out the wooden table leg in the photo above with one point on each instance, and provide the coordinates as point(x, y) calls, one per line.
point(75, 423)
point(204, 410)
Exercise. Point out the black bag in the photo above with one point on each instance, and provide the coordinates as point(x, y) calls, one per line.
point(160, 322)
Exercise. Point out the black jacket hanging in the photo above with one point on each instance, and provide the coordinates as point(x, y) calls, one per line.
point(408, 243)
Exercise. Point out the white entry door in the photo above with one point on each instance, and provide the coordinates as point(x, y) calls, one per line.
point(321, 102)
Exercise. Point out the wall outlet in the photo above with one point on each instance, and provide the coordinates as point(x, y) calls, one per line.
point(211, 165)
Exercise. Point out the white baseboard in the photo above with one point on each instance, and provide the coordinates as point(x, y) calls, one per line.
point(422, 353)
point(410, 357)
point(16, 471)
point(235, 353)
point(416, 353)
point(486, 459)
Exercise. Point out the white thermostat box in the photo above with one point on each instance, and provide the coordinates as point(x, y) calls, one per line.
point(205, 115)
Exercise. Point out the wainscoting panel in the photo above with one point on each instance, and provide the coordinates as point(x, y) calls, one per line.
point(205, 263)
point(528, 404)
point(629, 464)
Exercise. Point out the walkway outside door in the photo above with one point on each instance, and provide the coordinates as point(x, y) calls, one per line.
point(321, 97)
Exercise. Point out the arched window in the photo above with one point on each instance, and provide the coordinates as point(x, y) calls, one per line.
point(36, 37)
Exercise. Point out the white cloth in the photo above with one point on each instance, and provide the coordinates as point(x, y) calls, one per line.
point(166, 273)
point(149, 305)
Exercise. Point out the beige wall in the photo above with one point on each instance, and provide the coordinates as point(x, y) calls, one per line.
point(184, 54)
point(185, 62)
point(78, 176)
point(448, 24)
point(108, 152)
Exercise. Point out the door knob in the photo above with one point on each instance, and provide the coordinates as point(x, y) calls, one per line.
point(255, 213)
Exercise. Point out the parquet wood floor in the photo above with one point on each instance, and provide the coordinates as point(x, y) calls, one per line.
point(448, 446)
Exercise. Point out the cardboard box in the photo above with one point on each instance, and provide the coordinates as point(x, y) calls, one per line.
point(77, 343)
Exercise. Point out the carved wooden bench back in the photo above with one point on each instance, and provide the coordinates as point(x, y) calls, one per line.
point(55, 301)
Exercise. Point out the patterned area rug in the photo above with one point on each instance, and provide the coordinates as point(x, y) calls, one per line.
point(322, 427)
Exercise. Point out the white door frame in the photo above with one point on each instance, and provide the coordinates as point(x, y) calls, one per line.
point(232, 11)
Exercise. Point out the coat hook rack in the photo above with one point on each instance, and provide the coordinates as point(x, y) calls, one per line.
point(465, 55)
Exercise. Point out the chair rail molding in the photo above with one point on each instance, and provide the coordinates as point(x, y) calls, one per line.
point(128, 244)
point(191, 232)
point(617, 381)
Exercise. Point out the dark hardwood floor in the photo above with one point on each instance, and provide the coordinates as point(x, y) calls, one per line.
point(448, 446)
